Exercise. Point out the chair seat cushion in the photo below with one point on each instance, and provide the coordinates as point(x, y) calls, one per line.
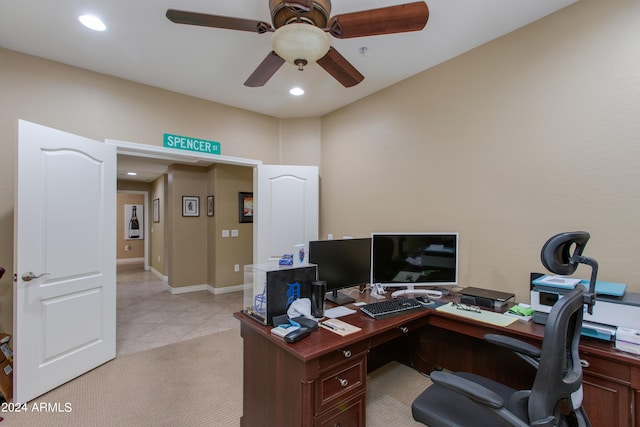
point(438, 406)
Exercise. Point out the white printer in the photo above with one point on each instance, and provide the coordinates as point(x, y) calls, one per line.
point(614, 308)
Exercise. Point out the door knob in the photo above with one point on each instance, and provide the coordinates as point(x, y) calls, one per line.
point(27, 277)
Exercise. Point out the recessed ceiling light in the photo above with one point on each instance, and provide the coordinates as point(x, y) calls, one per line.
point(132, 173)
point(296, 91)
point(92, 22)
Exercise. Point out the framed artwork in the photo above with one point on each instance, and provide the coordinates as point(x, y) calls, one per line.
point(156, 210)
point(190, 206)
point(209, 205)
point(245, 207)
point(133, 222)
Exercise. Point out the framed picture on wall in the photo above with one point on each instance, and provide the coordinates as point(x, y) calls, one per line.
point(209, 205)
point(156, 210)
point(133, 222)
point(190, 206)
point(245, 207)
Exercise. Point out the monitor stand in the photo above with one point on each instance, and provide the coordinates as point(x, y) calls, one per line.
point(339, 298)
point(413, 291)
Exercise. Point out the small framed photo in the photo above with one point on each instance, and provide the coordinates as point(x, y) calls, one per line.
point(156, 210)
point(245, 207)
point(190, 206)
point(209, 205)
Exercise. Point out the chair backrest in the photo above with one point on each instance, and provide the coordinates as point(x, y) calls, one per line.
point(559, 374)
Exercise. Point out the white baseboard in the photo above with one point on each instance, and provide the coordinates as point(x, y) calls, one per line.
point(159, 275)
point(205, 287)
point(123, 261)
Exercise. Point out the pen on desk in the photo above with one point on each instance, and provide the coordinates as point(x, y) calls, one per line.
point(332, 326)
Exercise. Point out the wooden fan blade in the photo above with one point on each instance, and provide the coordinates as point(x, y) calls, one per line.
point(386, 20)
point(215, 21)
point(341, 69)
point(265, 70)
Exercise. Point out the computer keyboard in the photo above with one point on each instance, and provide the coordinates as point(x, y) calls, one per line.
point(392, 307)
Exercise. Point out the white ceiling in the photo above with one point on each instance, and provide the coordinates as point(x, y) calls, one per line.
point(142, 45)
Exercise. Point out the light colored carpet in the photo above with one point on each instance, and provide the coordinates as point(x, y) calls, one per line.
point(197, 382)
point(192, 383)
point(390, 391)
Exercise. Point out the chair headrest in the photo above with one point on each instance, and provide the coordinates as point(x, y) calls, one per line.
point(561, 252)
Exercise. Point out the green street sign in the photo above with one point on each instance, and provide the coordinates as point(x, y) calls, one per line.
point(191, 144)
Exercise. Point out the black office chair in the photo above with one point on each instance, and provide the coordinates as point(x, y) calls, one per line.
point(555, 399)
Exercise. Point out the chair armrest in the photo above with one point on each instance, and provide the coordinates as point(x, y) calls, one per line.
point(467, 388)
point(527, 352)
point(482, 395)
point(513, 344)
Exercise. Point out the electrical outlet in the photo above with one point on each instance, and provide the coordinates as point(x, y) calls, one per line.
point(236, 268)
point(158, 258)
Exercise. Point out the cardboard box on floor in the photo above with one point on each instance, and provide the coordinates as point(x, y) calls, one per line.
point(6, 367)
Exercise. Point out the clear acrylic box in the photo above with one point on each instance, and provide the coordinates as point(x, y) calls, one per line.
point(270, 288)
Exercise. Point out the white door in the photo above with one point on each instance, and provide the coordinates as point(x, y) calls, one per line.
point(286, 209)
point(65, 320)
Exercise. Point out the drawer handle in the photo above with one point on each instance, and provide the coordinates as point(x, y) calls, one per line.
point(346, 353)
point(343, 382)
point(403, 329)
point(584, 363)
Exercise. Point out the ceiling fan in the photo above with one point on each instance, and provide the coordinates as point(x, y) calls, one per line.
point(300, 30)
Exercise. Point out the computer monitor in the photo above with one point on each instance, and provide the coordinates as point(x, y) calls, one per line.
point(411, 260)
point(342, 264)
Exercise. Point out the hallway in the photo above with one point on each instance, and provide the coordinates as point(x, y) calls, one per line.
point(149, 316)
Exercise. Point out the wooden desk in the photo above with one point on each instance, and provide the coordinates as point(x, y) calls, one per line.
point(321, 380)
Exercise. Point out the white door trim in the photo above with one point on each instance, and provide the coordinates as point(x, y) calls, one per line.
point(156, 152)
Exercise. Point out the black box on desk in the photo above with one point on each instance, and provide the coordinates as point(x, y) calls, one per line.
point(271, 288)
point(484, 297)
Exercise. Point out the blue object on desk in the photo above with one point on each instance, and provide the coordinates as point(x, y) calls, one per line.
point(602, 288)
point(286, 259)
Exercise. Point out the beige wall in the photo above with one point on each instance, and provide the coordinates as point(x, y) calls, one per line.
point(530, 135)
point(157, 258)
point(187, 239)
point(102, 107)
point(227, 181)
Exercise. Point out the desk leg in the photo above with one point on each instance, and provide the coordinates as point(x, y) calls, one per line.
point(276, 390)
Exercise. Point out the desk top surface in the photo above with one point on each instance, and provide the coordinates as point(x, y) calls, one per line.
point(323, 341)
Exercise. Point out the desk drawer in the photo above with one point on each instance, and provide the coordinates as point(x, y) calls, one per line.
point(349, 414)
point(341, 383)
point(397, 332)
point(608, 369)
point(344, 354)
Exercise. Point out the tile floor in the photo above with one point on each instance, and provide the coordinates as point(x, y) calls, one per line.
point(149, 316)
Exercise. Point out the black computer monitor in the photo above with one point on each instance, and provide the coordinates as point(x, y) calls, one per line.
point(342, 264)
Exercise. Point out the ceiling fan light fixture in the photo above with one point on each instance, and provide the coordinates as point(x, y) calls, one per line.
point(300, 44)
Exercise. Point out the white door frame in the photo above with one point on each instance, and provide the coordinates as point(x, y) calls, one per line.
point(183, 156)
